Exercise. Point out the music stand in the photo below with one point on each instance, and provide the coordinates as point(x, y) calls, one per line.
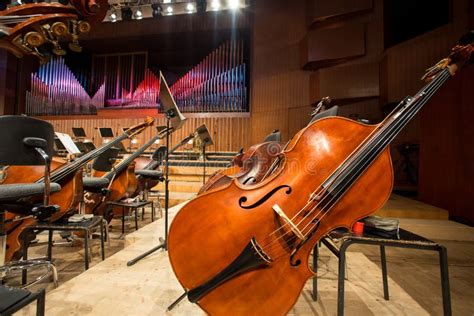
point(206, 140)
point(174, 121)
point(79, 132)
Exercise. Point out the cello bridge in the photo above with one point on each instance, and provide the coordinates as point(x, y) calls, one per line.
point(285, 218)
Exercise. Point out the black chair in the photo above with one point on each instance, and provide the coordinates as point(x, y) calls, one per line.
point(274, 136)
point(25, 141)
point(330, 112)
point(104, 163)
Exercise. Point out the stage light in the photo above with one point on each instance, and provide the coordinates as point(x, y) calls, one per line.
point(156, 10)
point(233, 4)
point(215, 4)
point(190, 7)
point(126, 14)
point(138, 15)
point(166, 1)
point(169, 9)
point(113, 17)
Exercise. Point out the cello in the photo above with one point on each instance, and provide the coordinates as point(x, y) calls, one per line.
point(68, 175)
point(247, 253)
point(123, 183)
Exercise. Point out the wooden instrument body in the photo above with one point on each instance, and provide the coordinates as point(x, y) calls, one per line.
point(67, 199)
point(123, 185)
point(142, 163)
point(202, 246)
point(249, 168)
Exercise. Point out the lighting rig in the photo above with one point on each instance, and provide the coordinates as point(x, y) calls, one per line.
point(128, 10)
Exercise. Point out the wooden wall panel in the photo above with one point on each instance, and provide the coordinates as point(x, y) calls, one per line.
point(321, 10)
point(278, 83)
point(351, 81)
point(325, 47)
point(229, 134)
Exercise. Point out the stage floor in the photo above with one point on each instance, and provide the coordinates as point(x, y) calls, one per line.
point(148, 287)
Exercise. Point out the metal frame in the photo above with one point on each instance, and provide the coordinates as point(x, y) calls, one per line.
point(39, 297)
point(421, 244)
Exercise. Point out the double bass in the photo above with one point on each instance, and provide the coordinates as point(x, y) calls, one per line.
point(247, 252)
point(68, 175)
point(123, 184)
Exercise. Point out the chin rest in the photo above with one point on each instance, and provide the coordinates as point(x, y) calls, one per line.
point(95, 184)
point(13, 192)
point(150, 174)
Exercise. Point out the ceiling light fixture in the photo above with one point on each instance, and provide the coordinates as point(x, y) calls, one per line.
point(190, 7)
point(169, 9)
point(233, 4)
point(215, 4)
point(166, 1)
point(138, 15)
point(113, 17)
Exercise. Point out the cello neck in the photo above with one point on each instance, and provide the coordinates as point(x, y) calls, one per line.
point(75, 165)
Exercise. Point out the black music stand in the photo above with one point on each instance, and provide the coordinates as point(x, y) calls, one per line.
point(206, 140)
point(174, 121)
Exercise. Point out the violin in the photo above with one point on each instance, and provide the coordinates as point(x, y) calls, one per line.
point(123, 184)
point(247, 252)
point(68, 175)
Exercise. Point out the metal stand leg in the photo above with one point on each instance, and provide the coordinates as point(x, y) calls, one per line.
point(341, 279)
point(40, 302)
point(123, 220)
point(443, 264)
point(50, 246)
point(315, 269)
point(383, 260)
point(86, 249)
point(179, 299)
point(24, 272)
point(136, 218)
point(102, 251)
point(152, 211)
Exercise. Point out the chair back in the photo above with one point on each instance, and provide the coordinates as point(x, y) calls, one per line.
point(14, 129)
point(275, 136)
point(106, 160)
point(330, 112)
point(159, 154)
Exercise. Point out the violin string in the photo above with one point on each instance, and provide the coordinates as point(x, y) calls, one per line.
point(396, 128)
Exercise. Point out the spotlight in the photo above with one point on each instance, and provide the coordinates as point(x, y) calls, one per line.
point(233, 4)
point(126, 14)
point(156, 10)
point(201, 6)
point(190, 7)
point(215, 4)
point(138, 15)
point(113, 17)
point(64, 2)
point(169, 9)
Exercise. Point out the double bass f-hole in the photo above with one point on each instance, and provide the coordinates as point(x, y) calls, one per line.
point(243, 199)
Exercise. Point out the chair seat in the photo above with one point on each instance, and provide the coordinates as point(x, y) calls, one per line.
point(152, 174)
point(94, 183)
point(11, 296)
point(12, 192)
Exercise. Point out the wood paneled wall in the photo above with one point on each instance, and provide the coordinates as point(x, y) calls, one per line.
point(277, 82)
point(228, 133)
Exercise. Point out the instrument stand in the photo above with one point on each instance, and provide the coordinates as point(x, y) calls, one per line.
point(204, 165)
point(163, 242)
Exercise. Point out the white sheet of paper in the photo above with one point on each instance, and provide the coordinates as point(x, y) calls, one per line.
point(68, 143)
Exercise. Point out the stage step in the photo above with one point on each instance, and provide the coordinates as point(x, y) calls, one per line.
point(401, 207)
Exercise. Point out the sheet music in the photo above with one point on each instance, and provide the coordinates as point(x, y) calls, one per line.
point(68, 143)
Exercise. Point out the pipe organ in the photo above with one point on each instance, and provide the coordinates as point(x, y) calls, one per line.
point(217, 84)
point(56, 91)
